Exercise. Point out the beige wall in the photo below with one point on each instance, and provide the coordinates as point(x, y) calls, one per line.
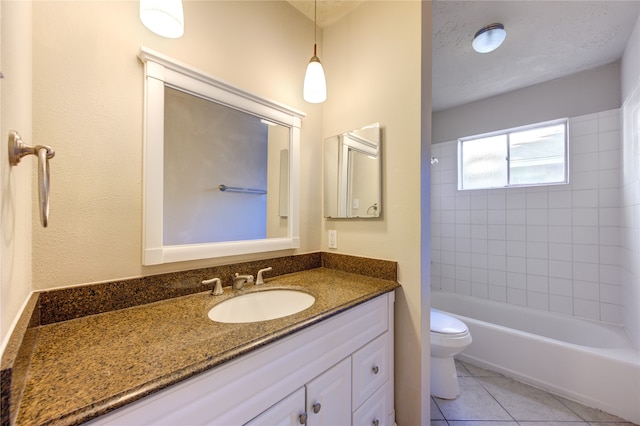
point(15, 182)
point(88, 105)
point(372, 65)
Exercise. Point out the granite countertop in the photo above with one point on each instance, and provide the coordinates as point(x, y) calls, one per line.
point(86, 367)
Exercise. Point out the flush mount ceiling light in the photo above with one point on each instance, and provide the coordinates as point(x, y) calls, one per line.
point(163, 17)
point(315, 85)
point(489, 38)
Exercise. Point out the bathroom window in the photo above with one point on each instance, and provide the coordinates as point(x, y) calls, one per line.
point(523, 156)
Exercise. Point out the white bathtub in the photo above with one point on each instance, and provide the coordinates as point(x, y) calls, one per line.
point(589, 362)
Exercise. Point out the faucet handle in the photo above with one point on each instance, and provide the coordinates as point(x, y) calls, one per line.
point(259, 279)
point(217, 288)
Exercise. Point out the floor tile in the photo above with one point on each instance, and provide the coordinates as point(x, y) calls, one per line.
point(590, 414)
point(461, 369)
point(439, 423)
point(485, 423)
point(523, 423)
point(474, 403)
point(436, 414)
point(479, 372)
point(525, 402)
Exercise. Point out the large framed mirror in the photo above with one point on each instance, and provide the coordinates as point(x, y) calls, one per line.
point(221, 167)
point(352, 174)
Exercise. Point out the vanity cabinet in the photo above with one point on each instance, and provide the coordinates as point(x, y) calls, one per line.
point(343, 363)
point(324, 401)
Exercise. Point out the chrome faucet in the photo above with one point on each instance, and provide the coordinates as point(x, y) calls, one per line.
point(259, 279)
point(239, 280)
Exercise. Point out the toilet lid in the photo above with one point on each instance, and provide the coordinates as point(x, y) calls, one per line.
point(441, 323)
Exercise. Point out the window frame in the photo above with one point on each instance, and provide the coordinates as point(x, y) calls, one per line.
point(507, 133)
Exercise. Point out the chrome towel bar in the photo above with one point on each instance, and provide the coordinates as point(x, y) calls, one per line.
point(225, 188)
point(17, 150)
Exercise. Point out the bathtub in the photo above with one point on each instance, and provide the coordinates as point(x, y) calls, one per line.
point(585, 361)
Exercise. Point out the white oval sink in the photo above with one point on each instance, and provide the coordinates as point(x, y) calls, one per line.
point(261, 306)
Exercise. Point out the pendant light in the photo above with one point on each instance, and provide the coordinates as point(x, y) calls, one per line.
point(489, 38)
point(163, 17)
point(315, 85)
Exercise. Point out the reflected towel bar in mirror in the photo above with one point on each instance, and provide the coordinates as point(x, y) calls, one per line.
point(225, 188)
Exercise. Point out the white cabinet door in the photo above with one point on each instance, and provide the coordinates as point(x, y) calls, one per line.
point(287, 412)
point(329, 396)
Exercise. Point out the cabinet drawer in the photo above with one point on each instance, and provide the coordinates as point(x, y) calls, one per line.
point(374, 411)
point(370, 368)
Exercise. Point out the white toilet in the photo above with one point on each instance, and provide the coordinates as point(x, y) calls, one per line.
point(449, 337)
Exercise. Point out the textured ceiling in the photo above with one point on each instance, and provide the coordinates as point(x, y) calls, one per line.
point(545, 40)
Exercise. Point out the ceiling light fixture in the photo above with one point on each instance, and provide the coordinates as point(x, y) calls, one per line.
point(489, 38)
point(315, 85)
point(163, 17)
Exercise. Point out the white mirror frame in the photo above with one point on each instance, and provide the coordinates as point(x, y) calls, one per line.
point(161, 71)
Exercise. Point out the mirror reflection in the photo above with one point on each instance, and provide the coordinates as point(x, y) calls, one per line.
point(352, 173)
point(221, 173)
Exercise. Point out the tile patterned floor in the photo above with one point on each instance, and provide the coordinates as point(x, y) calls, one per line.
point(490, 399)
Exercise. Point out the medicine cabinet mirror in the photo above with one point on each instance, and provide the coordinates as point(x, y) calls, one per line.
point(352, 174)
point(221, 167)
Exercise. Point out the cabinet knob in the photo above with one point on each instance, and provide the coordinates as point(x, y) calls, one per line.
point(302, 418)
point(316, 407)
point(375, 369)
point(376, 422)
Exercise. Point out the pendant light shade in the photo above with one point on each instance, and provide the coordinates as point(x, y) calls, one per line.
point(489, 38)
point(163, 17)
point(315, 84)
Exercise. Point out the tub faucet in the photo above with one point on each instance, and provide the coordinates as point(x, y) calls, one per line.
point(239, 280)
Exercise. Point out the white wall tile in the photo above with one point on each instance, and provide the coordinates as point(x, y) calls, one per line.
point(611, 313)
point(561, 286)
point(497, 293)
point(609, 216)
point(585, 235)
point(586, 309)
point(516, 217)
point(561, 304)
point(583, 125)
point(585, 217)
point(538, 300)
point(609, 140)
point(586, 253)
point(585, 272)
point(611, 293)
point(609, 159)
point(537, 217)
point(584, 180)
point(537, 233)
point(497, 278)
point(537, 250)
point(585, 198)
point(559, 247)
point(585, 143)
point(516, 280)
point(516, 297)
point(560, 269)
point(560, 251)
point(538, 267)
point(560, 234)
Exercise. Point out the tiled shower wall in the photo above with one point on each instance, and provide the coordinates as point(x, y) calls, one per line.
point(554, 248)
point(630, 209)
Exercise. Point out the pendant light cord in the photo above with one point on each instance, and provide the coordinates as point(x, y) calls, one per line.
point(315, 27)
